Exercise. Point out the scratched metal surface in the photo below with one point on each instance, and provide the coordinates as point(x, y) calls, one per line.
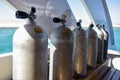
point(62, 39)
point(29, 54)
point(92, 48)
point(80, 51)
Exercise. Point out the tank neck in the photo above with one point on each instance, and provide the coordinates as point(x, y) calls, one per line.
point(91, 27)
point(63, 24)
point(30, 22)
point(98, 26)
point(79, 27)
point(103, 27)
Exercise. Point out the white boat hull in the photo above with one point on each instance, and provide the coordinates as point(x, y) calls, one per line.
point(6, 66)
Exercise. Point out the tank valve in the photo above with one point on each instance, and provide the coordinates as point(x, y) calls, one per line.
point(60, 20)
point(24, 15)
point(91, 26)
point(79, 23)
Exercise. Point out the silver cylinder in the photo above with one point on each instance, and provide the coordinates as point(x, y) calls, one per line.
point(92, 47)
point(106, 38)
point(100, 48)
point(62, 39)
point(80, 52)
point(30, 53)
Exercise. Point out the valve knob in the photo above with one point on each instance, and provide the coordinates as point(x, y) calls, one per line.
point(56, 20)
point(24, 15)
point(21, 15)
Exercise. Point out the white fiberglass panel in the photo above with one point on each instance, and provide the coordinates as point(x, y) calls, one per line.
point(45, 11)
point(98, 12)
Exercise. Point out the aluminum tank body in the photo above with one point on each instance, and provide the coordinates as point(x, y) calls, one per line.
point(92, 48)
point(80, 52)
point(100, 48)
point(30, 53)
point(106, 38)
point(62, 39)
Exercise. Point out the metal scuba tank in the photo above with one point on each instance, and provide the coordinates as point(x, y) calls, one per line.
point(30, 44)
point(62, 39)
point(100, 47)
point(80, 52)
point(106, 37)
point(92, 47)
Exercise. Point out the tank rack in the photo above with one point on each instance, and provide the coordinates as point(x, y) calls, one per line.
point(98, 73)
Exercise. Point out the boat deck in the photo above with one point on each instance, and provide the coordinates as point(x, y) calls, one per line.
point(108, 70)
point(102, 72)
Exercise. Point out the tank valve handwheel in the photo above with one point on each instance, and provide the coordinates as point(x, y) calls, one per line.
point(79, 23)
point(58, 20)
point(24, 15)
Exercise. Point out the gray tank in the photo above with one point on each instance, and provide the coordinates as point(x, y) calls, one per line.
point(92, 47)
point(100, 48)
point(80, 52)
point(106, 38)
point(30, 44)
point(62, 39)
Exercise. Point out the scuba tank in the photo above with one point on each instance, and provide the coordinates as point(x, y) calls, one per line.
point(106, 37)
point(100, 47)
point(80, 52)
point(92, 47)
point(62, 39)
point(30, 44)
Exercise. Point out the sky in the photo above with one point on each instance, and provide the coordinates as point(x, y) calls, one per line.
point(8, 15)
point(114, 9)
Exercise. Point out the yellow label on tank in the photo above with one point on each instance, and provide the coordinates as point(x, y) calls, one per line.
point(38, 30)
point(65, 31)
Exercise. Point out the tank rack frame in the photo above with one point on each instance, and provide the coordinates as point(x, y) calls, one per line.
point(98, 73)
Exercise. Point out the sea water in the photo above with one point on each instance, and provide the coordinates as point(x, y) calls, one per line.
point(117, 37)
point(6, 38)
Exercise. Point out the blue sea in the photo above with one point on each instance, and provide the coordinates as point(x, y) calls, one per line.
point(6, 36)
